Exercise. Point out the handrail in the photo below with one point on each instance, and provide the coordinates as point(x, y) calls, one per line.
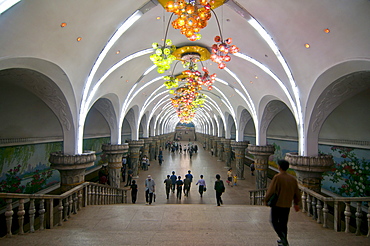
point(318, 206)
point(50, 213)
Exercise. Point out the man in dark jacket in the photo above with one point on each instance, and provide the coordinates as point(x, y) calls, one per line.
point(286, 188)
point(219, 188)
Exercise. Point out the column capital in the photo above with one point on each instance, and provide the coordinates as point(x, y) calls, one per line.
point(239, 145)
point(115, 148)
point(309, 169)
point(136, 143)
point(261, 150)
point(61, 161)
point(321, 163)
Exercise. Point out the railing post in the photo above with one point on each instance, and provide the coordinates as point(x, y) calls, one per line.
point(308, 205)
point(75, 202)
point(313, 208)
point(60, 209)
point(20, 214)
point(337, 216)
point(42, 214)
point(319, 210)
point(66, 206)
point(304, 196)
point(325, 211)
point(70, 202)
point(87, 196)
point(32, 212)
point(50, 213)
point(79, 198)
point(9, 217)
point(347, 214)
point(358, 218)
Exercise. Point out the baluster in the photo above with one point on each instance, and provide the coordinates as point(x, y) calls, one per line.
point(325, 211)
point(42, 214)
point(101, 195)
point(70, 210)
point(308, 205)
point(97, 195)
point(66, 205)
point(314, 208)
point(304, 201)
point(32, 212)
point(79, 197)
point(358, 218)
point(60, 209)
point(75, 203)
point(319, 214)
point(125, 196)
point(347, 214)
point(20, 214)
point(9, 217)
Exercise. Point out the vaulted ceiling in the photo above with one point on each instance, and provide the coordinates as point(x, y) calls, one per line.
point(290, 52)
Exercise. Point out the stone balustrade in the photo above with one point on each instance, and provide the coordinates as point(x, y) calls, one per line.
point(342, 210)
point(52, 210)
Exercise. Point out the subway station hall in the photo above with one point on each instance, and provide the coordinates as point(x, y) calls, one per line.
point(98, 95)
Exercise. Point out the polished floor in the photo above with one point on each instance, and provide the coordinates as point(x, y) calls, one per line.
point(189, 221)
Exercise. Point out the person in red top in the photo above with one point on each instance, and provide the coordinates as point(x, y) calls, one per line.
point(286, 188)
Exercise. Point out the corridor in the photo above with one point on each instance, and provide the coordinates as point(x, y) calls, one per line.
point(191, 221)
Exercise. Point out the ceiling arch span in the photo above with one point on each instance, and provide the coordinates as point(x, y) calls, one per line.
point(333, 95)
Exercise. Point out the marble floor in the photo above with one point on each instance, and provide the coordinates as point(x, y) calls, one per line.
point(190, 221)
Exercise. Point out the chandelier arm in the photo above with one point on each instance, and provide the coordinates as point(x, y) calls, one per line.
point(173, 70)
point(168, 25)
point(218, 24)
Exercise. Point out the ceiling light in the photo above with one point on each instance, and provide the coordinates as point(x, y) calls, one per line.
point(79, 39)
point(307, 46)
point(327, 30)
point(63, 24)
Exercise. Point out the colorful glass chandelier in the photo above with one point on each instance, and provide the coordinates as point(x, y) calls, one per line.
point(163, 57)
point(221, 51)
point(192, 15)
point(187, 98)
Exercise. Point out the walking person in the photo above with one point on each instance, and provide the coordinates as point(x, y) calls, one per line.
point(285, 188)
point(167, 185)
point(230, 177)
point(134, 190)
point(252, 168)
point(190, 177)
point(202, 185)
point(149, 190)
point(219, 188)
point(186, 186)
point(173, 179)
point(129, 176)
point(179, 185)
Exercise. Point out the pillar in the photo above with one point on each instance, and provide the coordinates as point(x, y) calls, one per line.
point(71, 168)
point(261, 157)
point(115, 153)
point(152, 148)
point(309, 169)
point(146, 147)
point(227, 152)
point(239, 148)
point(220, 149)
point(134, 149)
point(216, 143)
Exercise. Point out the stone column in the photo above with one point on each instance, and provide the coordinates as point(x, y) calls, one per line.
point(152, 148)
point(134, 147)
point(216, 143)
point(239, 148)
point(115, 153)
point(157, 146)
point(227, 151)
point(146, 147)
point(209, 143)
point(71, 168)
point(261, 158)
point(220, 149)
point(309, 170)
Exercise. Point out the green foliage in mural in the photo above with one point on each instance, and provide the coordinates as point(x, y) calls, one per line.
point(18, 154)
point(352, 172)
